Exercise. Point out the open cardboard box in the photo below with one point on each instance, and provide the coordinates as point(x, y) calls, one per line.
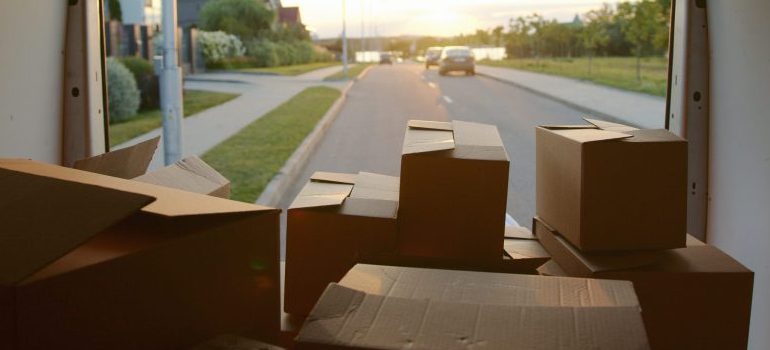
point(692, 298)
point(607, 186)
point(385, 307)
point(334, 221)
point(89, 261)
point(454, 187)
point(190, 174)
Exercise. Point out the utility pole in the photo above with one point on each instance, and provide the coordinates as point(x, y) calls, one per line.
point(344, 43)
point(361, 45)
point(170, 87)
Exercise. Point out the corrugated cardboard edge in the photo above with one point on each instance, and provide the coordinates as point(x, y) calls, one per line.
point(125, 163)
point(610, 126)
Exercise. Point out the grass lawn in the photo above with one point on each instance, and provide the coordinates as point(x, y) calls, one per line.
point(619, 72)
point(296, 69)
point(255, 154)
point(353, 71)
point(145, 121)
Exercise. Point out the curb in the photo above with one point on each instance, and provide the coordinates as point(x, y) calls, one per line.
point(584, 109)
point(290, 171)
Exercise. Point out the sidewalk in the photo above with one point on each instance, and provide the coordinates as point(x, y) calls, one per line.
point(259, 95)
point(637, 109)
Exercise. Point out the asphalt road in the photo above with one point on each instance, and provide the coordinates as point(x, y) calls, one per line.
point(369, 131)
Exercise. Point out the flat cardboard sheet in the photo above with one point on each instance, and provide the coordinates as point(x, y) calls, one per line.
point(125, 163)
point(488, 287)
point(190, 174)
point(345, 318)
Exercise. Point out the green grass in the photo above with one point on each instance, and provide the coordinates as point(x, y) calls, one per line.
point(619, 72)
point(296, 69)
point(353, 71)
point(255, 154)
point(194, 101)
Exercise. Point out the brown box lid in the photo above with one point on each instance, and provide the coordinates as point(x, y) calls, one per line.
point(190, 174)
point(362, 194)
point(462, 139)
point(125, 163)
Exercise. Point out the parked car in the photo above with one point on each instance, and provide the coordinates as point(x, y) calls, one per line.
point(386, 58)
point(457, 58)
point(432, 55)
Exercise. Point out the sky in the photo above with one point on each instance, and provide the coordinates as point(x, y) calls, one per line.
point(428, 17)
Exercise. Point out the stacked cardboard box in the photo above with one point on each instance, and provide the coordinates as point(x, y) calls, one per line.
point(445, 211)
point(89, 261)
point(386, 307)
point(611, 203)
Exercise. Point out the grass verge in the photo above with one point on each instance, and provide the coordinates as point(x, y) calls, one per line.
point(255, 154)
point(194, 101)
point(619, 72)
point(291, 70)
point(353, 71)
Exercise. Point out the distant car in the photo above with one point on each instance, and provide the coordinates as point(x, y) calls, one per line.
point(432, 55)
point(386, 58)
point(457, 58)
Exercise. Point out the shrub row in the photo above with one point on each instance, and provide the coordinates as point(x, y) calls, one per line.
point(225, 51)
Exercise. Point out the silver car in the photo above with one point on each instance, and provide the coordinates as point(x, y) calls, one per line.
point(457, 58)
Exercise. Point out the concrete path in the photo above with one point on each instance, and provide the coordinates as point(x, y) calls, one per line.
point(637, 109)
point(259, 95)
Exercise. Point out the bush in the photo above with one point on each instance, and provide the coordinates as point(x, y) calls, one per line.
point(218, 46)
point(146, 81)
point(244, 18)
point(264, 53)
point(122, 91)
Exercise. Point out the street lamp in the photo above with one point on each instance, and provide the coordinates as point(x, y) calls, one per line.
point(344, 43)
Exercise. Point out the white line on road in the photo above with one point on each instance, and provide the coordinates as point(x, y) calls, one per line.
point(431, 84)
point(447, 99)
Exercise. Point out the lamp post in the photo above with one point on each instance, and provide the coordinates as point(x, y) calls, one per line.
point(170, 87)
point(344, 43)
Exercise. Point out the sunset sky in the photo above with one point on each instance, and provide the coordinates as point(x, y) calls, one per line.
point(428, 17)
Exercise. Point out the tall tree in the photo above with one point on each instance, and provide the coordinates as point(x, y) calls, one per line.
point(595, 32)
point(641, 25)
point(497, 33)
point(247, 19)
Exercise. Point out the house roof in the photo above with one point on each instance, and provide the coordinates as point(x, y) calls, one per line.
point(289, 15)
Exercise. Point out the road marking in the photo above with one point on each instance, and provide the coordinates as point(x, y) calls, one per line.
point(447, 99)
point(431, 84)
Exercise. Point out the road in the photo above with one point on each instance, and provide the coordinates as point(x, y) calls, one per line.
point(369, 131)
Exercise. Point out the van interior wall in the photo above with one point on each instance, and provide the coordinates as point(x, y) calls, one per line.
point(739, 154)
point(31, 66)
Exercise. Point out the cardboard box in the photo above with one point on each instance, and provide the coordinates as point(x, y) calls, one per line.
point(692, 298)
point(190, 174)
point(454, 188)
point(384, 307)
point(334, 220)
point(125, 163)
point(607, 190)
point(89, 261)
point(551, 268)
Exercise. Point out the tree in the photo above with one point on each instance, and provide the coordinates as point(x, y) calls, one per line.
point(115, 11)
point(595, 31)
point(247, 19)
point(497, 33)
point(641, 23)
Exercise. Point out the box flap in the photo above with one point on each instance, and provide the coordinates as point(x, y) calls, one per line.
point(478, 141)
point(376, 186)
point(519, 232)
point(169, 201)
point(419, 140)
point(125, 163)
point(590, 135)
point(605, 125)
point(567, 127)
point(44, 218)
point(428, 124)
point(524, 249)
point(488, 287)
point(190, 174)
point(653, 135)
point(551, 268)
point(348, 318)
point(321, 194)
point(340, 178)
